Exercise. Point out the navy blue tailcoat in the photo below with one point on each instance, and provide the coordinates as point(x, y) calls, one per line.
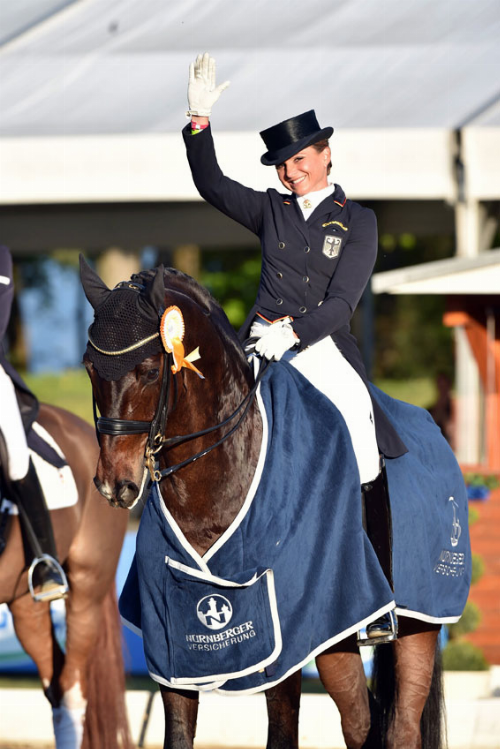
point(314, 271)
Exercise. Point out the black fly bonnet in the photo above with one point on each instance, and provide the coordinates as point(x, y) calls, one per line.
point(126, 327)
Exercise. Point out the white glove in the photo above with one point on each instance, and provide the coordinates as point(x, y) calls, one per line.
point(275, 340)
point(202, 91)
point(258, 329)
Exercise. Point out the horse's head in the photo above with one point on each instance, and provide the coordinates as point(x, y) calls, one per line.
point(140, 358)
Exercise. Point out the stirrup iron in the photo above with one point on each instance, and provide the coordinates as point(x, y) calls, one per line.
point(363, 637)
point(58, 591)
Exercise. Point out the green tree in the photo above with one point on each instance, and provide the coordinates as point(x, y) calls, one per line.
point(411, 340)
point(233, 279)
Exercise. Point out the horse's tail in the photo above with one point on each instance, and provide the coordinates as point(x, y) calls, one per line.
point(384, 687)
point(432, 725)
point(106, 723)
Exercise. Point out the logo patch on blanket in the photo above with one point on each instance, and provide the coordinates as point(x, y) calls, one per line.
point(214, 611)
point(198, 636)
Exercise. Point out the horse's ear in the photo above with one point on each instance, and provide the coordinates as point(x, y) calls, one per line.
point(154, 296)
point(94, 287)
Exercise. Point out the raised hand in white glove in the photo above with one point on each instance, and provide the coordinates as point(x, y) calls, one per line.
point(275, 340)
point(202, 91)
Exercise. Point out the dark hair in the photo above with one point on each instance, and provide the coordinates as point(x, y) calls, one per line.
point(320, 146)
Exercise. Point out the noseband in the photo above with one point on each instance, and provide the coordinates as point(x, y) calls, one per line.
point(157, 427)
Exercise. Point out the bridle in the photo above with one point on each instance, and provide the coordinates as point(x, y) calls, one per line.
point(156, 428)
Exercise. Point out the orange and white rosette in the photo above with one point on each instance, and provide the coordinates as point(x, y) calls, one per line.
point(172, 331)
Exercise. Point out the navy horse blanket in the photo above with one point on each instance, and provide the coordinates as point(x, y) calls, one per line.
point(295, 572)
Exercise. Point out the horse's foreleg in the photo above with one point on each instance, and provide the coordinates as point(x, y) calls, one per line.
point(76, 726)
point(34, 630)
point(414, 652)
point(283, 703)
point(342, 674)
point(181, 711)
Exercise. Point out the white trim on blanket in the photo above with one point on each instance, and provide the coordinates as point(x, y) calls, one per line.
point(197, 558)
point(253, 486)
point(132, 627)
point(202, 561)
point(208, 577)
point(426, 617)
point(216, 686)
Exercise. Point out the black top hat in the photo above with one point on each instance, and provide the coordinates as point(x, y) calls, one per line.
point(290, 136)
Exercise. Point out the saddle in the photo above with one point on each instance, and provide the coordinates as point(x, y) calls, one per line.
point(50, 464)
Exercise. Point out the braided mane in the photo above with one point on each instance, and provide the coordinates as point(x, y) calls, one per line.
point(178, 281)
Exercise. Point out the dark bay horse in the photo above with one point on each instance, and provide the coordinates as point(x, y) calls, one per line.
point(87, 680)
point(205, 495)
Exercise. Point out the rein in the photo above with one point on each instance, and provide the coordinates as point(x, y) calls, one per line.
point(157, 427)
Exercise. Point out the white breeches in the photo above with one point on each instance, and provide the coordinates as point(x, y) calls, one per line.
point(12, 429)
point(325, 367)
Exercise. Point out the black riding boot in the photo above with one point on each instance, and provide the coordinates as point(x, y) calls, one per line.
point(38, 537)
point(378, 526)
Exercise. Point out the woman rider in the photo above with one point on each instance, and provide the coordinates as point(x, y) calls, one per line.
point(18, 411)
point(318, 252)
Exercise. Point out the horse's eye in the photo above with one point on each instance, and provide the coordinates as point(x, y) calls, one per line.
point(152, 375)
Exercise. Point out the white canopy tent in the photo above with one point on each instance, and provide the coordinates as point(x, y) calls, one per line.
point(93, 93)
point(456, 275)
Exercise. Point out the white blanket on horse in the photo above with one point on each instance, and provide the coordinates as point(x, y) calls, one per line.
point(295, 571)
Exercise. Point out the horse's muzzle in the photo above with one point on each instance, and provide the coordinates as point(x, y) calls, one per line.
point(124, 495)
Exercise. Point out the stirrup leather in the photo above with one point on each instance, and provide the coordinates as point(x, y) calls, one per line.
point(60, 591)
point(364, 639)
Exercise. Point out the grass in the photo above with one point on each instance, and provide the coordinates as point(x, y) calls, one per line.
point(419, 392)
point(19, 681)
point(71, 390)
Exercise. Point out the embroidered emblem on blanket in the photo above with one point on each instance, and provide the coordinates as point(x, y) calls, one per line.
point(429, 517)
point(250, 643)
point(303, 523)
